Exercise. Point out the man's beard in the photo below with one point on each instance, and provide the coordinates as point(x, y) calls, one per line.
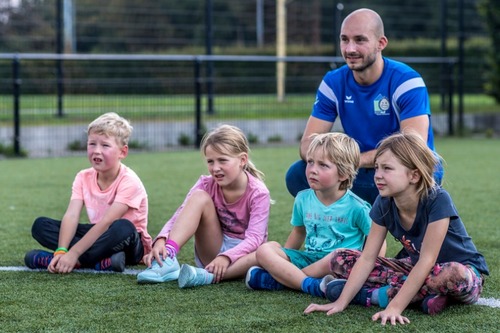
point(370, 60)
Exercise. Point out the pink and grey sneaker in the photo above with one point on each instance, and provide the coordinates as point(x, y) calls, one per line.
point(434, 304)
point(115, 263)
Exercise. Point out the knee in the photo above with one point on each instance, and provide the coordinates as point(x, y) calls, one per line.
point(122, 227)
point(452, 272)
point(340, 257)
point(38, 226)
point(199, 197)
point(266, 250)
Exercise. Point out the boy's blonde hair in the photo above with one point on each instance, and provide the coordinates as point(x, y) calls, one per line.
point(341, 150)
point(112, 125)
point(412, 151)
point(230, 140)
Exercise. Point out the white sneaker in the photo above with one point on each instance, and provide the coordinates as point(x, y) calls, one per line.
point(158, 274)
point(190, 276)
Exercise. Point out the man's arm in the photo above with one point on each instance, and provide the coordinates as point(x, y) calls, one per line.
point(419, 124)
point(314, 125)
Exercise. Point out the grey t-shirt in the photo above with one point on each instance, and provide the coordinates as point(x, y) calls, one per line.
point(457, 245)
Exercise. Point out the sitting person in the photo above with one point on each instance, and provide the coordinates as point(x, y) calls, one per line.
point(117, 207)
point(325, 217)
point(226, 212)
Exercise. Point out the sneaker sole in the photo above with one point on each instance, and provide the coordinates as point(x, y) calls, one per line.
point(147, 279)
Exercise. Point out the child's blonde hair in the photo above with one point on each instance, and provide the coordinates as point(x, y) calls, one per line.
point(112, 125)
point(341, 150)
point(230, 140)
point(412, 151)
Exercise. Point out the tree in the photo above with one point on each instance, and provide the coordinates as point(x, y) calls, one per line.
point(490, 9)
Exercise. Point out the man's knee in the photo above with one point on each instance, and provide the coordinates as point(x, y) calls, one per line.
point(295, 178)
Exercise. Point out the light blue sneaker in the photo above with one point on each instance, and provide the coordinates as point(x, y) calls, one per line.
point(156, 274)
point(190, 276)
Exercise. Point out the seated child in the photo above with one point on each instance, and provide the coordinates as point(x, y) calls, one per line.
point(325, 217)
point(227, 212)
point(117, 207)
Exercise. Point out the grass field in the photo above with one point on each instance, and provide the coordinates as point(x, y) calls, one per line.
point(82, 302)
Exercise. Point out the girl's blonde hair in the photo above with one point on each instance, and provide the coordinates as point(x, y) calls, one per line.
point(230, 140)
point(412, 151)
point(111, 125)
point(341, 150)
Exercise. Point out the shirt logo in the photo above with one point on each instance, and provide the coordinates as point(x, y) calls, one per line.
point(348, 99)
point(381, 105)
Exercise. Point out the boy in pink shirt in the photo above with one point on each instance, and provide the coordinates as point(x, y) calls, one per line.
point(117, 207)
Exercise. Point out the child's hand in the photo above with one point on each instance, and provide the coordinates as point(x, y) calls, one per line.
point(391, 316)
point(158, 253)
point(63, 263)
point(329, 308)
point(218, 267)
point(53, 263)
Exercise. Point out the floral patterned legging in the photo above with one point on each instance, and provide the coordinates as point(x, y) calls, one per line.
point(461, 283)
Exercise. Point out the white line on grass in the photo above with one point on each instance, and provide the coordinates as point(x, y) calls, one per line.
point(491, 302)
point(80, 270)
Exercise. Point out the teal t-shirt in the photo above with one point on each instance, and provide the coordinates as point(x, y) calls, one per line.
point(343, 224)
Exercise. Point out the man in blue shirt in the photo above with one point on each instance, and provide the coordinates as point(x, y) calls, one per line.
point(371, 95)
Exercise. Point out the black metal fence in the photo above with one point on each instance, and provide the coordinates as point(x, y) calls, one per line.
point(47, 100)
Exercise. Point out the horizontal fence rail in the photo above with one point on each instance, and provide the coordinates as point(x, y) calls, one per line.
point(172, 100)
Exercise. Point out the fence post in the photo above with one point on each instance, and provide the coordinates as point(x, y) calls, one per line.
point(197, 94)
point(461, 56)
point(209, 36)
point(450, 98)
point(16, 81)
point(59, 62)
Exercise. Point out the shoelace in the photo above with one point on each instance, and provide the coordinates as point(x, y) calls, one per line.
point(43, 261)
point(105, 264)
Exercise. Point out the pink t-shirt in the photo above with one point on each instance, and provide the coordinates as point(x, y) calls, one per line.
point(126, 189)
point(245, 219)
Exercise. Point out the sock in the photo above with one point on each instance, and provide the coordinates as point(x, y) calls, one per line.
point(310, 286)
point(380, 297)
point(172, 248)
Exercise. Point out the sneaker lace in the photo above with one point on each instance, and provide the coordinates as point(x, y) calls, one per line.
point(43, 261)
point(104, 264)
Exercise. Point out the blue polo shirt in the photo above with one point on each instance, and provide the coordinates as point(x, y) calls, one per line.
point(369, 113)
